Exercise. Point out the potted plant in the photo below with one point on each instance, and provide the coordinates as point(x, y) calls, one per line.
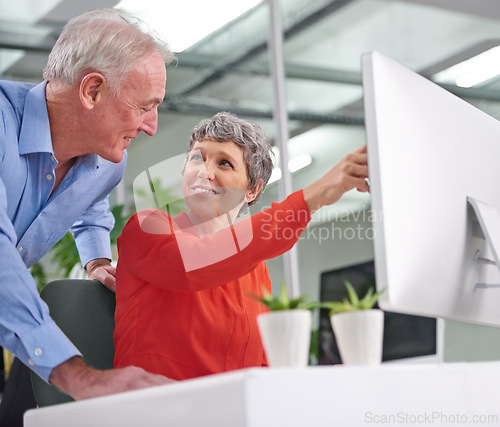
point(358, 327)
point(286, 329)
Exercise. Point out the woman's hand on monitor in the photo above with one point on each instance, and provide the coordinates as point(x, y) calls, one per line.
point(351, 172)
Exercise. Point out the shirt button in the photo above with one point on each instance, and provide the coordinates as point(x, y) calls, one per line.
point(20, 249)
point(38, 352)
point(49, 177)
point(52, 158)
point(31, 363)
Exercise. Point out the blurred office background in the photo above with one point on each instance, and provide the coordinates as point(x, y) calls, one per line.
point(223, 64)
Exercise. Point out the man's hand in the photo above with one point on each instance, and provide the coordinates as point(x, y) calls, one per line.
point(101, 270)
point(82, 382)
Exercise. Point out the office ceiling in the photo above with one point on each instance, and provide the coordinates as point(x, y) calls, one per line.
point(229, 70)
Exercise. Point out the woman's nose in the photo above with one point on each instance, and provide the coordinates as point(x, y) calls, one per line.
point(206, 172)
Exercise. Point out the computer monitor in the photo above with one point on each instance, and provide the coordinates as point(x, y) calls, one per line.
point(407, 338)
point(435, 187)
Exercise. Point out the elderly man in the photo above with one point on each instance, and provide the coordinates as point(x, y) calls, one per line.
point(62, 150)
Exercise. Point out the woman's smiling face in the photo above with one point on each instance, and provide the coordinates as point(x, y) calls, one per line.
point(216, 179)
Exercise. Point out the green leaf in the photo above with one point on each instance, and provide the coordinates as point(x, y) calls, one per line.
point(283, 301)
point(38, 273)
point(284, 296)
point(120, 222)
point(310, 306)
point(65, 254)
point(372, 301)
point(353, 302)
point(353, 297)
point(333, 306)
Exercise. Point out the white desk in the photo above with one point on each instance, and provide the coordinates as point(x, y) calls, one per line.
point(388, 395)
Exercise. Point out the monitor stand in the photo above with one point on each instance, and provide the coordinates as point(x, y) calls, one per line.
point(489, 221)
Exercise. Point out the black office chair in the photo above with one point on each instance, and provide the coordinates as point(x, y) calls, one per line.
point(84, 310)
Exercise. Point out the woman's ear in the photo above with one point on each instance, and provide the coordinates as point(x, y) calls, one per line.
point(252, 194)
point(91, 89)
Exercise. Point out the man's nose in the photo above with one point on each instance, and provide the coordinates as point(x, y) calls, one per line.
point(150, 122)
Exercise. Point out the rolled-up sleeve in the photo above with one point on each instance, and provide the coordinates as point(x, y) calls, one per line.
point(91, 229)
point(91, 232)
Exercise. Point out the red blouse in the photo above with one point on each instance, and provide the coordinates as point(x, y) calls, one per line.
point(182, 303)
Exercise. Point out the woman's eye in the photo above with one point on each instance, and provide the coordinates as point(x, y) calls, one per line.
point(226, 163)
point(195, 158)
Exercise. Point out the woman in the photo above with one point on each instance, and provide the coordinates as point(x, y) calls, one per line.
point(183, 308)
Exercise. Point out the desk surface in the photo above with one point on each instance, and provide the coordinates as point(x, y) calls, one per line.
point(389, 395)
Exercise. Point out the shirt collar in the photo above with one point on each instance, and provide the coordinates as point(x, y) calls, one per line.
point(92, 162)
point(35, 128)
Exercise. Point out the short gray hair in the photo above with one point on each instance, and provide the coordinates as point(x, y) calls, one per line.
point(248, 135)
point(106, 40)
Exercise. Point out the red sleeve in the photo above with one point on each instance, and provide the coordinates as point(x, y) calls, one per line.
point(152, 249)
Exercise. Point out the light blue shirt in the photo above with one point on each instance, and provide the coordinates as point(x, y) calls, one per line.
point(32, 221)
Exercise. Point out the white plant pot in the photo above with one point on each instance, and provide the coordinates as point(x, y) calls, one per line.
point(286, 337)
point(359, 336)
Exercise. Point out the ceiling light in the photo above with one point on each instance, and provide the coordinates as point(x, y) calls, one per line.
point(473, 71)
point(275, 175)
point(299, 162)
point(294, 165)
point(183, 23)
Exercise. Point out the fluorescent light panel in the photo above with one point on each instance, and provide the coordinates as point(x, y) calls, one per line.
point(474, 71)
point(183, 23)
point(294, 165)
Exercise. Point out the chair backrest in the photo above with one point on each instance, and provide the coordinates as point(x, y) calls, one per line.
point(84, 310)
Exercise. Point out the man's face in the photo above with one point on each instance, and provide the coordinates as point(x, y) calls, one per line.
point(121, 118)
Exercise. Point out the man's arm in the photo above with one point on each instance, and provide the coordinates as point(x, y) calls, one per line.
point(91, 233)
point(27, 330)
point(81, 382)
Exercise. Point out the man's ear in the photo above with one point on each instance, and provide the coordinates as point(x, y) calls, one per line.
point(91, 89)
